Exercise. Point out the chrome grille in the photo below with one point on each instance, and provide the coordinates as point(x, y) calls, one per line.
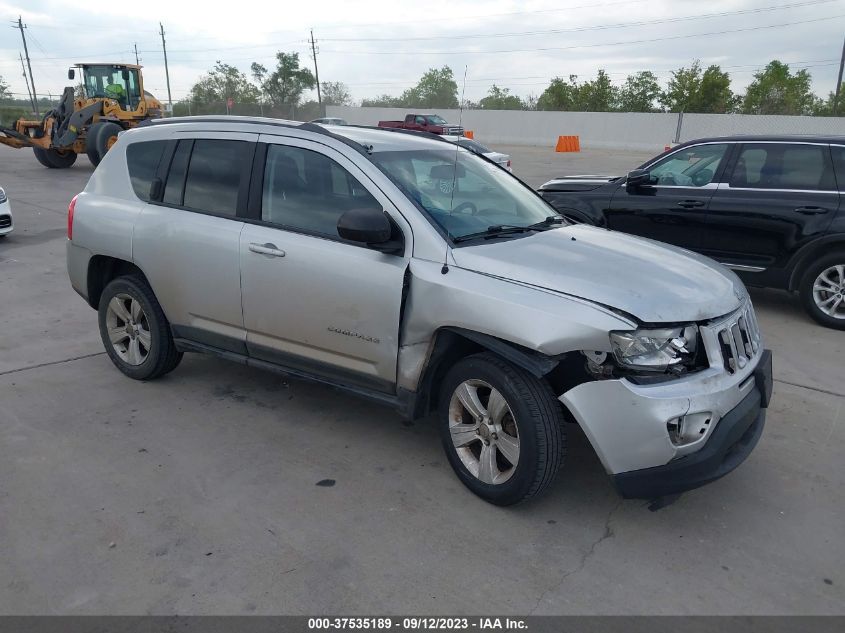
point(739, 339)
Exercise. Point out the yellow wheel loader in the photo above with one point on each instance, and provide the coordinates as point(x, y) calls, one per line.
point(111, 99)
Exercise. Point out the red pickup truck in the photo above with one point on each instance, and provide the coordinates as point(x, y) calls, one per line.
point(425, 123)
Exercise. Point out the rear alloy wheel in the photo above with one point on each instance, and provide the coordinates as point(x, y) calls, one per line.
point(501, 428)
point(823, 290)
point(129, 329)
point(55, 159)
point(135, 331)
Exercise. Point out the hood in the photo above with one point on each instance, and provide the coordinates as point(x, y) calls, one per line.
point(576, 183)
point(654, 282)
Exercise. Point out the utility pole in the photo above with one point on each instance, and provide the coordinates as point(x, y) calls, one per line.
point(839, 81)
point(21, 26)
point(26, 79)
point(316, 73)
point(137, 61)
point(166, 70)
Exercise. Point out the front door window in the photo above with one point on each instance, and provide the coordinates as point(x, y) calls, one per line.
point(693, 166)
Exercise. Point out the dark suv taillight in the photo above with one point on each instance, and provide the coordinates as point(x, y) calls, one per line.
point(70, 209)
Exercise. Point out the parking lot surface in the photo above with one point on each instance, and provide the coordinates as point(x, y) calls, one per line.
point(197, 493)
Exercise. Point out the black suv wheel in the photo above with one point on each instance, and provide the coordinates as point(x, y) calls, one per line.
point(822, 290)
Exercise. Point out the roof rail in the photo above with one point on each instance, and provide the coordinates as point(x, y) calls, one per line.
point(398, 130)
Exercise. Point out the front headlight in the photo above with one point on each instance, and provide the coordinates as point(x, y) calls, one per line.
point(655, 350)
point(2, 195)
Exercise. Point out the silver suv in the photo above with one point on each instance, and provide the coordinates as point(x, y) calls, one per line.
point(411, 271)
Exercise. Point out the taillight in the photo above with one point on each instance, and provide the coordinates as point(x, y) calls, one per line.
point(70, 209)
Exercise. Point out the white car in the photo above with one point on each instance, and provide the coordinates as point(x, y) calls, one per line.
point(6, 224)
point(474, 146)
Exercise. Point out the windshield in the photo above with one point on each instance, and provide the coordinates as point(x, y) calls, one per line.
point(433, 119)
point(466, 197)
point(114, 82)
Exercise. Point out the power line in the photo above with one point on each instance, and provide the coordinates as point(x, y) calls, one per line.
point(598, 45)
point(598, 27)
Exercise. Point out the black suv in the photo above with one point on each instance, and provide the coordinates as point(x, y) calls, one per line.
point(772, 208)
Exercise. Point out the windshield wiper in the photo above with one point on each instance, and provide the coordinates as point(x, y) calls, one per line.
point(494, 231)
point(548, 222)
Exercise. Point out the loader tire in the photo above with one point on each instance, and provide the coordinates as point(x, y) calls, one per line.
point(54, 159)
point(106, 137)
point(91, 143)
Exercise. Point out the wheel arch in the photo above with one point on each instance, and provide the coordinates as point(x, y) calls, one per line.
point(804, 258)
point(451, 344)
point(102, 269)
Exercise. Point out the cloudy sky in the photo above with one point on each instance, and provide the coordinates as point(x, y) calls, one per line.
point(377, 46)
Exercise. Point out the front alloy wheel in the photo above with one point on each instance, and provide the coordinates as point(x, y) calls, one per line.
point(501, 428)
point(484, 432)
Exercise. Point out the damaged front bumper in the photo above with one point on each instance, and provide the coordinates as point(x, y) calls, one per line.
point(627, 426)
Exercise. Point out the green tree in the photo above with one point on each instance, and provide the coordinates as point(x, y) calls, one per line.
point(435, 89)
point(691, 90)
point(335, 93)
point(559, 95)
point(500, 99)
point(223, 82)
point(824, 107)
point(639, 92)
point(775, 90)
point(682, 88)
point(598, 95)
point(383, 101)
point(285, 85)
point(714, 92)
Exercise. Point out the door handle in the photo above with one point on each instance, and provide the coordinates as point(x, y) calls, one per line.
point(690, 204)
point(811, 210)
point(266, 249)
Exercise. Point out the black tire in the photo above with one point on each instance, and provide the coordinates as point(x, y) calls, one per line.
point(91, 143)
point(41, 157)
point(54, 159)
point(536, 414)
point(162, 355)
point(836, 293)
point(106, 136)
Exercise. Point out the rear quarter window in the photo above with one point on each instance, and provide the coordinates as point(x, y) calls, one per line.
point(142, 161)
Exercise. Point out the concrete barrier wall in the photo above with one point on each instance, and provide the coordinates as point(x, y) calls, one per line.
point(619, 130)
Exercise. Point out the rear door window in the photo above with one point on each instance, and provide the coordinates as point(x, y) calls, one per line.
point(214, 173)
point(791, 166)
point(142, 161)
